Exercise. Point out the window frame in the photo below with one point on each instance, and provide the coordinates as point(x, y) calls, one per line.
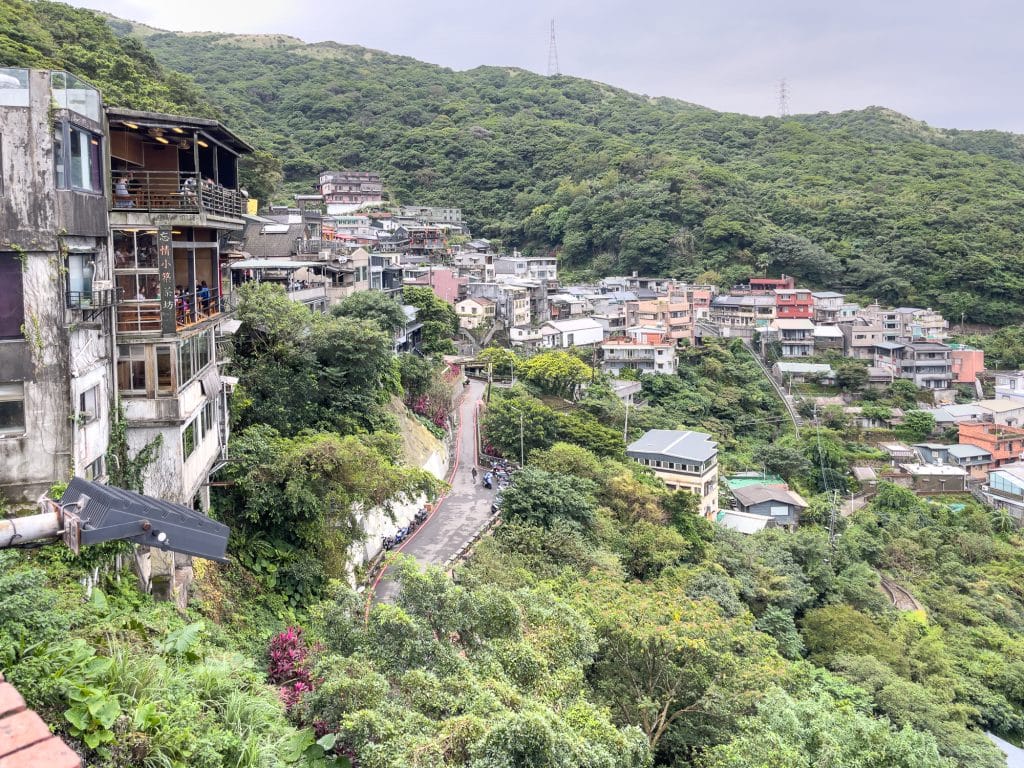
point(14, 392)
point(85, 415)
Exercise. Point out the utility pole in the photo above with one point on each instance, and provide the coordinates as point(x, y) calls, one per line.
point(553, 53)
point(783, 98)
point(625, 426)
point(522, 452)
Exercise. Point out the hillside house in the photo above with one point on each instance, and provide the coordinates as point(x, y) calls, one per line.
point(562, 334)
point(1005, 490)
point(475, 312)
point(967, 363)
point(793, 304)
point(927, 364)
point(827, 306)
point(780, 504)
point(829, 338)
point(644, 350)
point(1010, 384)
point(683, 460)
point(1005, 411)
point(1005, 444)
point(795, 337)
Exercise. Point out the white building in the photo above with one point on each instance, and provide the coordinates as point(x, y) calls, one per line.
point(644, 350)
point(583, 332)
point(532, 267)
point(474, 312)
point(683, 460)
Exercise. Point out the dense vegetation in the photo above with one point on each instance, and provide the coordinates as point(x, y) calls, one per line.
point(868, 202)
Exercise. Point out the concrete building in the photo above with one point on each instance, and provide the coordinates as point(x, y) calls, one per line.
point(793, 304)
point(346, 191)
point(446, 285)
point(1010, 384)
point(511, 302)
point(530, 267)
point(967, 362)
point(475, 312)
point(57, 294)
point(683, 460)
point(175, 290)
point(861, 338)
point(562, 334)
point(795, 337)
point(1005, 444)
point(827, 307)
point(1005, 411)
point(829, 337)
point(1005, 490)
point(935, 478)
point(673, 313)
point(927, 364)
point(741, 315)
point(644, 350)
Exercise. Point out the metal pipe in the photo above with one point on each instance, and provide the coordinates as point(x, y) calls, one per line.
point(15, 531)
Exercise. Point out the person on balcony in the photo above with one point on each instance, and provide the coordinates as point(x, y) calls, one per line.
point(203, 296)
point(122, 195)
point(188, 190)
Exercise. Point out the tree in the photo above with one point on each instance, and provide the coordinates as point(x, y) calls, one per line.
point(851, 376)
point(556, 372)
point(503, 361)
point(517, 424)
point(373, 305)
point(440, 322)
point(916, 426)
point(785, 460)
point(542, 498)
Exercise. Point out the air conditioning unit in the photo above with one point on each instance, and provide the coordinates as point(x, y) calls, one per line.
point(324, 255)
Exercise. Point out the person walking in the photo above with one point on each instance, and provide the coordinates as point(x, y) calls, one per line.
point(473, 472)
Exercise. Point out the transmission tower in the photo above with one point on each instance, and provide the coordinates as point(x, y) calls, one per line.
point(553, 53)
point(783, 98)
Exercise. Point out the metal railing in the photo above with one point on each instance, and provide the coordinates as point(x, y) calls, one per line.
point(96, 299)
point(142, 316)
point(334, 247)
point(174, 191)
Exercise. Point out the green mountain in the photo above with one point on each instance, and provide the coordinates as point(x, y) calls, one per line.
point(869, 202)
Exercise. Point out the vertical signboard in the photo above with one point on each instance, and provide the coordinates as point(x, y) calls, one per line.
point(165, 263)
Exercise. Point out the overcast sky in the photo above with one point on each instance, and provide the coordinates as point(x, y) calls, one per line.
point(952, 63)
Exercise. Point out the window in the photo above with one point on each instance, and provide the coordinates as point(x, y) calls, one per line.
point(95, 469)
point(193, 357)
point(89, 405)
point(77, 157)
point(164, 372)
point(81, 267)
point(189, 439)
point(12, 305)
point(131, 368)
point(209, 417)
point(12, 409)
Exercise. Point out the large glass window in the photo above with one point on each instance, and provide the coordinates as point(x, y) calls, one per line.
point(78, 159)
point(12, 304)
point(131, 368)
point(193, 357)
point(12, 409)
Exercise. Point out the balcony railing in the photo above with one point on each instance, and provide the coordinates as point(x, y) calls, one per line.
point(334, 247)
point(143, 315)
point(172, 191)
point(96, 299)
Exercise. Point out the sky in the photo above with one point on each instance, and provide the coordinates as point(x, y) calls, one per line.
point(951, 63)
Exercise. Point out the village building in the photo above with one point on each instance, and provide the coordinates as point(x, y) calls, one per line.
point(57, 300)
point(347, 191)
point(925, 363)
point(779, 504)
point(827, 307)
point(1005, 490)
point(474, 312)
point(967, 363)
point(683, 460)
point(793, 304)
point(643, 350)
point(530, 267)
point(562, 334)
point(1005, 444)
point(795, 337)
point(1004, 411)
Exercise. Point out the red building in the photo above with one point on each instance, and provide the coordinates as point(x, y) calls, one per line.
point(793, 303)
point(1006, 444)
point(769, 284)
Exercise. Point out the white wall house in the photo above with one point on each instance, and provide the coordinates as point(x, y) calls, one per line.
point(561, 334)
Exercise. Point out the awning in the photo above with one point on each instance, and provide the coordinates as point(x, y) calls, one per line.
point(230, 327)
point(210, 381)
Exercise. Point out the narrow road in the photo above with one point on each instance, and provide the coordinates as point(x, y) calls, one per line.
point(460, 514)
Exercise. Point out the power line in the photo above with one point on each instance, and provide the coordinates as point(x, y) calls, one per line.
point(783, 97)
point(553, 53)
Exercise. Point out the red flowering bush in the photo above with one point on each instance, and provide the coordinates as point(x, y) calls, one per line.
point(288, 668)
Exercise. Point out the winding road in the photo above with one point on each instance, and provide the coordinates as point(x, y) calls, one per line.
point(460, 514)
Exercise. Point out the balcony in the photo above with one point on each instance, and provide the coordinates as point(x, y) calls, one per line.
point(334, 247)
point(174, 192)
point(144, 316)
point(91, 303)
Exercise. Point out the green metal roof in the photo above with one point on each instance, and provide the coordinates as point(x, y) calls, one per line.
point(742, 481)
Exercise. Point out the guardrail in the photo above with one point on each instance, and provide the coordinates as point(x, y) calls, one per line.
point(174, 191)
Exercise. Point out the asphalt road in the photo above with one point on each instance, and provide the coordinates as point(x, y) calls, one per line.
point(460, 514)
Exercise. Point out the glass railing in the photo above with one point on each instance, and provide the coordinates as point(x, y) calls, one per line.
point(75, 95)
point(14, 90)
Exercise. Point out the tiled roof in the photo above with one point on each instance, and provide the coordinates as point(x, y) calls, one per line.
point(25, 741)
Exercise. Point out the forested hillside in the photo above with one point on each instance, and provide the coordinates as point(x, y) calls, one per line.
point(868, 202)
